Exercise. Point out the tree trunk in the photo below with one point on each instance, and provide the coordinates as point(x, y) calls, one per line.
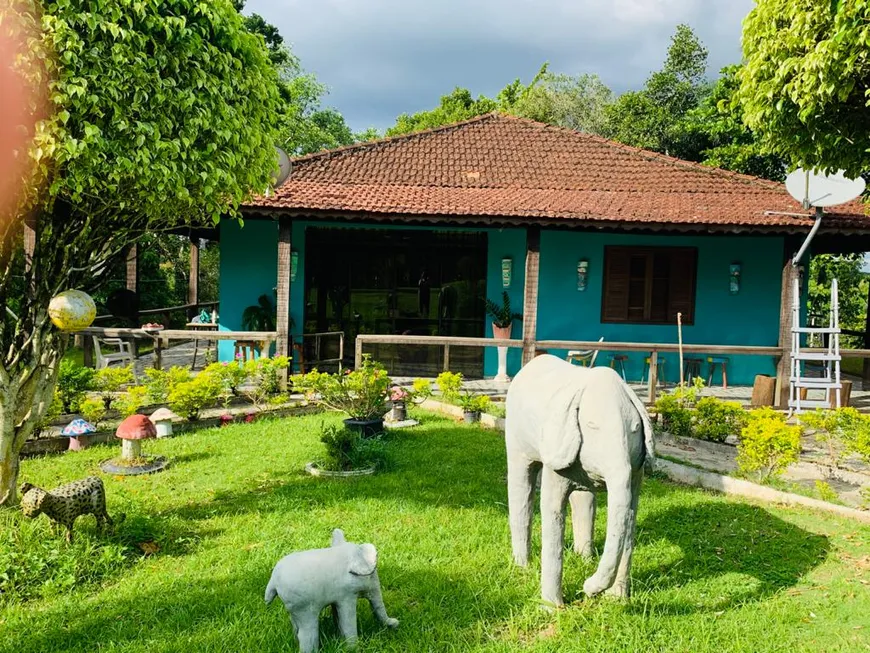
point(26, 391)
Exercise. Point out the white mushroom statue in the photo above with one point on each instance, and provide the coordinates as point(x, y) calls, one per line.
point(162, 419)
point(132, 431)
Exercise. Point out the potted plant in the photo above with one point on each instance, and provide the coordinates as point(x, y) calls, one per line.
point(361, 393)
point(398, 397)
point(472, 405)
point(502, 320)
point(347, 453)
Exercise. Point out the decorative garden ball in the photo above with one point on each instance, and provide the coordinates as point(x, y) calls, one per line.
point(72, 310)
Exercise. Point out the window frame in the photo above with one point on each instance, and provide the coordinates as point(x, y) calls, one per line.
point(649, 251)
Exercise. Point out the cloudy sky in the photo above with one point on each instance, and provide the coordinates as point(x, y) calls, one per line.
point(381, 58)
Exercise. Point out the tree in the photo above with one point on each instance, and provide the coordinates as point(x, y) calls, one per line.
point(718, 127)
point(654, 117)
point(805, 85)
point(161, 115)
point(577, 102)
point(455, 107)
point(852, 283)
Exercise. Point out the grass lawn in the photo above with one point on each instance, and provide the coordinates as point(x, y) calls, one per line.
point(710, 573)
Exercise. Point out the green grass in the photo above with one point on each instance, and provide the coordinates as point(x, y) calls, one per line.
point(710, 573)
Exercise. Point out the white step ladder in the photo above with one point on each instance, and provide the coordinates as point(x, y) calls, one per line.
point(829, 382)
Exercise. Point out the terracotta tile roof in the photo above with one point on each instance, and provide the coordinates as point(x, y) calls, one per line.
point(500, 167)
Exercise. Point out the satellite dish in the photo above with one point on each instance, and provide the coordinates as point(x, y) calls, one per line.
point(815, 189)
point(284, 167)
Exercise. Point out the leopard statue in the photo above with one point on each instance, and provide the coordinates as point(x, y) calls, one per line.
point(66, 503)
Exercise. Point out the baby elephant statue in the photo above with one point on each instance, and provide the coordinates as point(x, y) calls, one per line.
point(586, 431)
point(65, 504)
point(308, 581)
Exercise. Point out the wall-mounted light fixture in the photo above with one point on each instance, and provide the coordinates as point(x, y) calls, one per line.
point(582, 274)
point(801, 270)
point(734, 271)
point(507, 267)
point(294, 264)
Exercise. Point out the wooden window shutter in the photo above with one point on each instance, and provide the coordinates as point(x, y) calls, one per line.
point(614, 302)
point(681, 291)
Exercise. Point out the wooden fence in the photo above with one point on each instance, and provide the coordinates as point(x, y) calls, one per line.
point(653, 349)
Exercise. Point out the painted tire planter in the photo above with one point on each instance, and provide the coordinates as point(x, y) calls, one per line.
point(367, 428)
point(314, 470)
point(113, 466)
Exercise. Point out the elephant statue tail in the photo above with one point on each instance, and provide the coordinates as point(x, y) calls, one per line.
point(648, 433)
point(271, 592)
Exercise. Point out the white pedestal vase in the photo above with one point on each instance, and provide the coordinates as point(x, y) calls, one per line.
point(502, 333)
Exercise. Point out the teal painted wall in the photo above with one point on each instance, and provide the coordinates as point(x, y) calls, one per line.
point(751, 317)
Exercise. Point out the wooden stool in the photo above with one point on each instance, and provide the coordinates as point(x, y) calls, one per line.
point(243, 348)
point(619, 358)
point(691, 369)
point(712, 362)
point(660, 372)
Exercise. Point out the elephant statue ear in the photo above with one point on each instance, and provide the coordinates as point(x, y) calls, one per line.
point(338, 537)
point(364, 561)
point(560, 432)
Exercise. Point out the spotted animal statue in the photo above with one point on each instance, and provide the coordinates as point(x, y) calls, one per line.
point(67, 503)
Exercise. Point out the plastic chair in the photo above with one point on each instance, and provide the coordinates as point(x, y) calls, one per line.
point(584, 356)
point(124, 355)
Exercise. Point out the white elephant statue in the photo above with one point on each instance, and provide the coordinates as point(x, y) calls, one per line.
point(586, 431)
point(308, 581)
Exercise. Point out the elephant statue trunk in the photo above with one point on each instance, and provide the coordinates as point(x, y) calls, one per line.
point(584, 430)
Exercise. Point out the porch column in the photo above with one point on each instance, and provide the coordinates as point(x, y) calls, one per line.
point(530, 292)
point(783, 368)
point(282, 325)
point(133, 268)
point(193, 279)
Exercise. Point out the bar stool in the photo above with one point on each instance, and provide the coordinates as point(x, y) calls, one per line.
point(660, 372)
point(691, 369)
point(619, 359)
point(245, 349)
point(712, 362)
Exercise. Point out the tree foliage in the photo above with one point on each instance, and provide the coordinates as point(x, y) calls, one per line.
point(160, 114)
point(577, 102)
point(805, 86)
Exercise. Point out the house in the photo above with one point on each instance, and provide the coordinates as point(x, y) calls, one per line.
point(590, 238)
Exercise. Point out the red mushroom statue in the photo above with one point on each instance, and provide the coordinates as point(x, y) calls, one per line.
point(132, 431)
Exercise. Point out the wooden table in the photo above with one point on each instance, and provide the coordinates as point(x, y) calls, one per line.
point(201, 326)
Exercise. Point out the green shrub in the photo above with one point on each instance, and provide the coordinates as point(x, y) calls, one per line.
point(474, 403)
point(346, 450)
point(189, 398)
point(826, 492)
point(93, 410)
point(676, 417)
point(843, 428)
point(159, 383)
point(266, 374)
point(767, 444)
point(73, 382)
point(449, 383)
point(131, 401)
point(230, 375)
point(715, 420)
point(110, 380)
point(361, 393)
point(421, 389)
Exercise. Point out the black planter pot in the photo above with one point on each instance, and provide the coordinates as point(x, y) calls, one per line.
point(367, 428)
point(471, 416)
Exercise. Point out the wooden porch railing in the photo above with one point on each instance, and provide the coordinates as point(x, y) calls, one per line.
point(651, 348)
